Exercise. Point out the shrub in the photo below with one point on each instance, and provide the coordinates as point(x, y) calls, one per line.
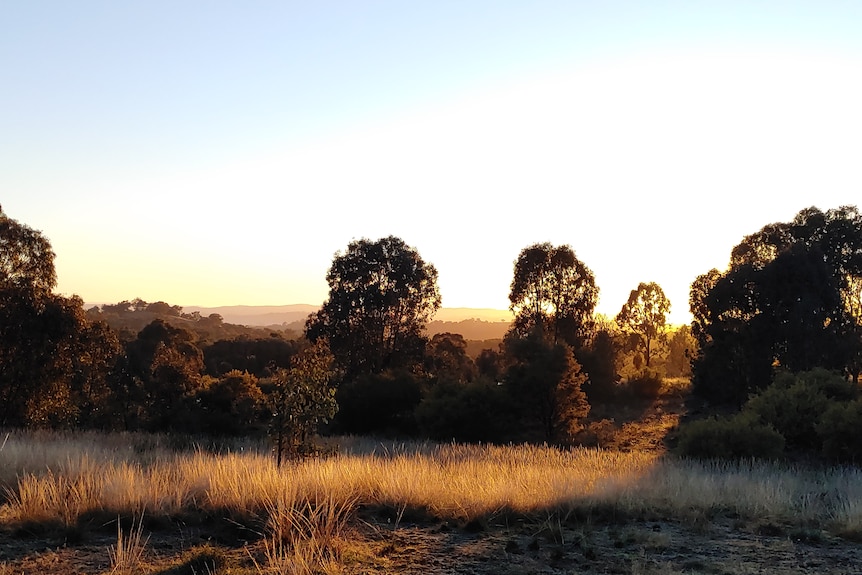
point(477, 411)
point(795, 404)
point(833, 385)
point(646, 384)
point(793, 411)
point(840, 429)
point(741, 436)
point(379, 404)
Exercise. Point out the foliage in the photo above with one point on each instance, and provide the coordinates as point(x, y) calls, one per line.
point(446, 358)
point(814, 411)
point(786, 300)
point(544, 379)
point(646, 384)
point(54, 363)
point(792, 411)
point(26, 259)
point(739, 437)
point(553, 290)
point(163, 374)
point(232, 404)
point(254, 355)
point(489, 364)
point(601, 364)
point(301, 399)
point(645, 315)
point(839, 430)
point(795, 405)
point(381, 296)
point(381, 404)
point(479, 411)
point(682, 346)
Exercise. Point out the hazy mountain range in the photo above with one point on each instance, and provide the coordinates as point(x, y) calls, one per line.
point(472, 323)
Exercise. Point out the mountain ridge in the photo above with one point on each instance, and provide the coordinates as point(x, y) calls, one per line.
point(284, 314)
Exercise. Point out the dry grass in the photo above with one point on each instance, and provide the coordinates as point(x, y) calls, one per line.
point(127, 557)
point(305, 507)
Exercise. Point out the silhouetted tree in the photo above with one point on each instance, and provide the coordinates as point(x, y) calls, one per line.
point(381, 296)
point(26, 259)
point(489, 364)
point(53, 360)
point(255, 356)
point(446, 358)
point(600, 361)
point(545, 379)
point(379, 404)
point(554, 290)
point(645, 315)
point(166, 366)
point(682, 347)
point(783, 303)
point(233, 404)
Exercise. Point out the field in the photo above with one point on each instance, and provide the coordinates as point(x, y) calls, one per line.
point(90, 503)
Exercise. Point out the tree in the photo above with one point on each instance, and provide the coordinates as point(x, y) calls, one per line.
point(681, 348)
point(165, 367)
point(446, 358)
point(381, 296)
point(232, 404)
point(545, 380)
point(26, 258)
point(785, 302)
point(553, 289)
point(53, 360)
point(301, 399)
point(645, 315)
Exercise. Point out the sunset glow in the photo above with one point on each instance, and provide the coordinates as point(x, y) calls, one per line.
point(220, 155)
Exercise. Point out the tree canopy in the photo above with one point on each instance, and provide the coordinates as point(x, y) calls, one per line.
point(381, 296)
point(645, 315)
point(26, 257)
point(553, 289)
point(788, 300)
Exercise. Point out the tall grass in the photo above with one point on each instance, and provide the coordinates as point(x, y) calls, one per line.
point(69, 480)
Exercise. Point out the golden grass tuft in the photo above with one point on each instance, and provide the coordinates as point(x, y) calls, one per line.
point(127, 557)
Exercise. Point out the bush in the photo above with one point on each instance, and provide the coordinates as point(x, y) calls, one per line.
point(796, 403)
point(840, 429)
point(793, 411)
point(475, 412)
point(380, 404)
point(739, 437)
point(646, 384)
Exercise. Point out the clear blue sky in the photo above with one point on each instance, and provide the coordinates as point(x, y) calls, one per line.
point(220, 153)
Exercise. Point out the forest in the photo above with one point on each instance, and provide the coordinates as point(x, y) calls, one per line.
point(779, 332)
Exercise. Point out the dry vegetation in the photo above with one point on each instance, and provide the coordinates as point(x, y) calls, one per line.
point(366, 508)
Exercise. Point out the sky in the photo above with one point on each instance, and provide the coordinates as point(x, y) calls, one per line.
point(209, 153)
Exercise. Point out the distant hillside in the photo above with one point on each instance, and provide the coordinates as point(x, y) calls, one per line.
point(471, 329)
point(490, 320)
point(256, 316)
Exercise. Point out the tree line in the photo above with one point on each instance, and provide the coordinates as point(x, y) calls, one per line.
point(789, 302)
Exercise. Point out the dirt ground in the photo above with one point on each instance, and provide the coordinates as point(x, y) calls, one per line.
point(374, 546)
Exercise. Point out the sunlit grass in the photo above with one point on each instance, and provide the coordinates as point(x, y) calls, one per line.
point(71, 478)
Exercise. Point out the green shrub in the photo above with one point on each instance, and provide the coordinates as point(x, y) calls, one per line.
point(793, 411)
point(795, 404)
point(739, 437)
point(840, 430)
point(833, 385)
